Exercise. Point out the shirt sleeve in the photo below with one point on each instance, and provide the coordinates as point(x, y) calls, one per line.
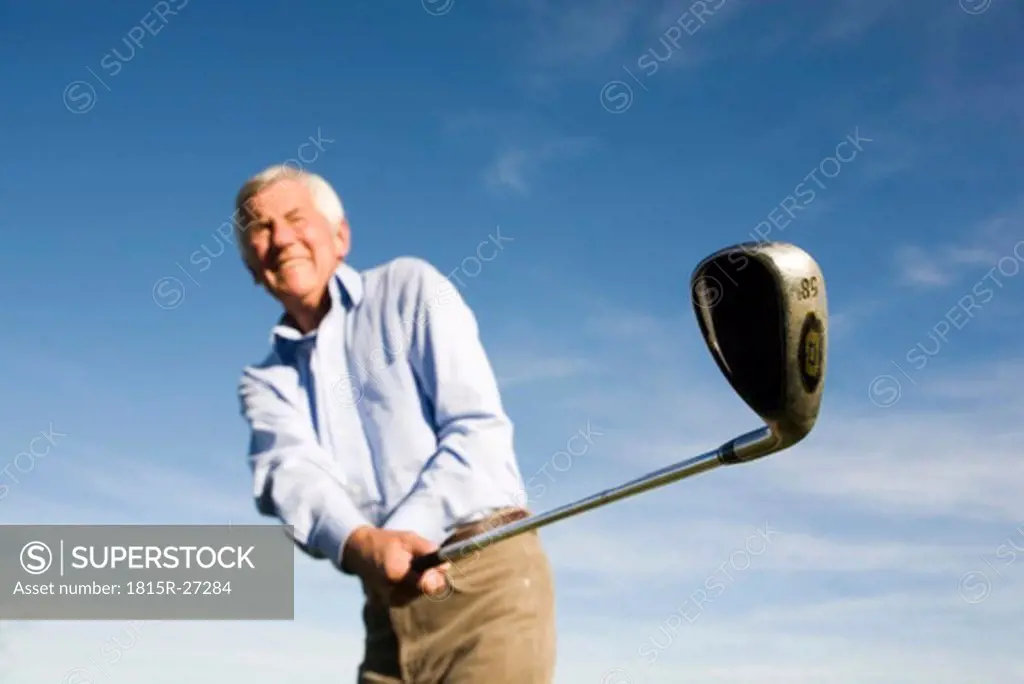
point(295, 479)
point(474, 434)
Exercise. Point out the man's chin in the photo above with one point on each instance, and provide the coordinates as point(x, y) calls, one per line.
point(294, 290)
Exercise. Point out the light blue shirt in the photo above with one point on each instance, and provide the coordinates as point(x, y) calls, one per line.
point(387, 415)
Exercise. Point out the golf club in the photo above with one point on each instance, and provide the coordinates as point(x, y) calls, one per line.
point(762, 311)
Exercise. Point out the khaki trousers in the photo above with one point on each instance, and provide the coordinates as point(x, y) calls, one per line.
point(495, 625)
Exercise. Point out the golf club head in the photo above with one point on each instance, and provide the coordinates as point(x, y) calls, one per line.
point(762, 311)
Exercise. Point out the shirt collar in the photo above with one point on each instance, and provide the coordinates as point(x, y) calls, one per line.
point(345, 289)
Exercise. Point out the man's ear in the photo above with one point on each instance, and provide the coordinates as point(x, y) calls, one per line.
point(343, 239)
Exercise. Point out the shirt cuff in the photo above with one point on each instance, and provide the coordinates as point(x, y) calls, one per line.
point(421, 514)
point(333, 528)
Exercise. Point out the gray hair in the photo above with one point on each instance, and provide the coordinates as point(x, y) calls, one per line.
point(325, 199)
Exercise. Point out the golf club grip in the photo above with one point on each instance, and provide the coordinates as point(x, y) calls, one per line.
point(424, 563)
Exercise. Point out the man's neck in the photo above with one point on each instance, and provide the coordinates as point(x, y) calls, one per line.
point(307, 317)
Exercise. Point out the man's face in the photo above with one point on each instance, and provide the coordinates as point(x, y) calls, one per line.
point(293, 249)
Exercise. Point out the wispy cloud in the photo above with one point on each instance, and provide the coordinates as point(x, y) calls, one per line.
point(141, 490)
point(906, 637)
point(849, 20)
point(567, 34)
point(522, 370)
point(515, 168)
point(508, 170)
point(993, 383)
point(984, 245)
point(909, 637)
point(620, 549)
point(938, 464)
point(168, 652)
point(851, 318)
point(939, 266)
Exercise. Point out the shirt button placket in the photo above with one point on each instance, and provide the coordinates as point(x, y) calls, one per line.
point(331, 403)
point(355, 413)
point(304, 358)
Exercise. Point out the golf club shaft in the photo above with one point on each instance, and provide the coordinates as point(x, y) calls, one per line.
point(747, 447)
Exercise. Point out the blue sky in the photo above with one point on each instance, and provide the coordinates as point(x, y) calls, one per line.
point(609, 174)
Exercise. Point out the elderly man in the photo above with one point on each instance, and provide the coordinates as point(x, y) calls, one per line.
point(378, 433)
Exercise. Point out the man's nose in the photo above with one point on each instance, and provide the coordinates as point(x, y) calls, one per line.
point(282, 234)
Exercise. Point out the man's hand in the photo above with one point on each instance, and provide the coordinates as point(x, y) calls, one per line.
point(383, 560)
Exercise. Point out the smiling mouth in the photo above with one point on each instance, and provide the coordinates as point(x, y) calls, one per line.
point(291, 262)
